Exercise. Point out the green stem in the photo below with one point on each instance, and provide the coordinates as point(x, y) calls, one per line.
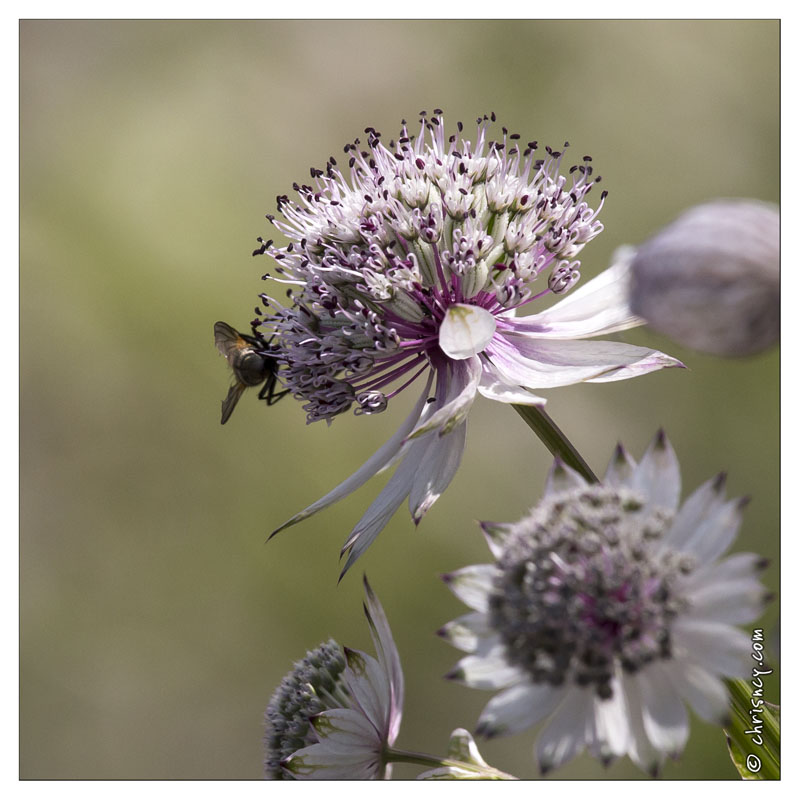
point(555, 440)
point(425, 760)
point(769, 730)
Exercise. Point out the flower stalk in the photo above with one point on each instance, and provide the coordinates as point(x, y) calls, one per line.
point(554, 440)
point(754, 761)
point(473, 770)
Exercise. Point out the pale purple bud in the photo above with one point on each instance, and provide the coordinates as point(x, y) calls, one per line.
point(711, 279)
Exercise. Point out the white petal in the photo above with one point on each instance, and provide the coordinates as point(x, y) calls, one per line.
point(468, 631)
point(620, 468)
point(544, 364)
point(465, 331)
point(472, 585)
point(493, 387)
point(517, 708)
point(437, 468)
point(732, 568)
point(486, 670)
point(704, 692)
point(564, 736)
point(598, 307)
point(461, 380)
point(609, 725)
point(736, 602)
point(717, 532)
point(715, 646)
point(388, 658)
point(370, 689)
point(325, 762)
point(384, 506)
point(496, 534)
point(657, 476)
point(562, 478)
point(705, 500)
point(663, 712)
point(346, 729)
point(640, 749)
point(370, 467)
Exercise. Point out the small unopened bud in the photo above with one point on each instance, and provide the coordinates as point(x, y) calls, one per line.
point(711, 279)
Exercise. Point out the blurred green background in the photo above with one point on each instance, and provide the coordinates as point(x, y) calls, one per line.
point(155, 621)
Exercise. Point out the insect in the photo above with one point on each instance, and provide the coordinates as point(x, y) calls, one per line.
point(248, 357)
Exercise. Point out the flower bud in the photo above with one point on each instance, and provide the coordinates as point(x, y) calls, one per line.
point(711, 279)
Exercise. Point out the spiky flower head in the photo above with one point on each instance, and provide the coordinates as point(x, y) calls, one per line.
point(417, 263)
point(335, 714)
point(607, 610)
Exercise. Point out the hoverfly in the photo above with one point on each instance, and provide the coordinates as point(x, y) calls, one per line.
point(249, 358)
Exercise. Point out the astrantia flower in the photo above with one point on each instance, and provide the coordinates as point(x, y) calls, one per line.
point(607, 610)
point(417, 265)
point(711, 279)
point(334, 715)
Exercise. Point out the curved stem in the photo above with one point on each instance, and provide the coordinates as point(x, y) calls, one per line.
point(554, 439)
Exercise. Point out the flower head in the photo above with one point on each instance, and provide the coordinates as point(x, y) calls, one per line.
point(607, 610)
point(334, 715)
point(414, 268)
point(711, 279)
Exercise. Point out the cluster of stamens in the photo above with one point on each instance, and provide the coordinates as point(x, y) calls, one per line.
point(375, 259)
point(313, 685)
point(584, 589)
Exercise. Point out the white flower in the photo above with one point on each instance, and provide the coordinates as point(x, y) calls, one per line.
point(607, 610)
point(710, 280)
point(418, 265)
point(335, 714)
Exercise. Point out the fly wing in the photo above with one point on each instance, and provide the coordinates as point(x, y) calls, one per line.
point(229, 403)
point(227, 339)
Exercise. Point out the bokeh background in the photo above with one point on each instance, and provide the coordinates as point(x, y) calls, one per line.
point(155, 621)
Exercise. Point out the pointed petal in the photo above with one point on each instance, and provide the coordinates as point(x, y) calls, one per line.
point(658, 476)
point(327, 762)
point(640, 749)
point(496, 534)
point(472, 585)
point(597, 308)
point(388, 658)
point(704, 692)
point(493, 387)
point(517, 708)
point(610, 729)
point(468, 631)
point(736, 602)
point(465, 331)
point(563, 737)
point(383, 506)
point(369, 687)
point(719, 648)
point(488, 670)
point(562, 478)
point(370, 467)
point(345, 729)
point(663, 712)
point(620, 468)
point(716, 534)
point(437, 468)
point(462, 380)
point(704, 501)
point(544, 364)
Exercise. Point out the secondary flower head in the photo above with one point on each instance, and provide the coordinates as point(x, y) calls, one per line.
point(711, 279)
point(416, 263)
point(334, 715)
point(607, 609)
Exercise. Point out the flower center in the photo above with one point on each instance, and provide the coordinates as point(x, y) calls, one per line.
point(583, 591)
